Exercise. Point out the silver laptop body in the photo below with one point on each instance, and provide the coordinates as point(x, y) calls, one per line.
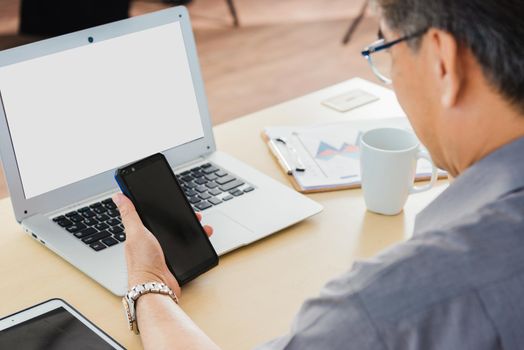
point(76, 107)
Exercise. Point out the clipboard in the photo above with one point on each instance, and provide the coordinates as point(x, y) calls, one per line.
point(326, 157)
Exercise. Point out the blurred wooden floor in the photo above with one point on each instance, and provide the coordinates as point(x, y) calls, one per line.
point(283, 49)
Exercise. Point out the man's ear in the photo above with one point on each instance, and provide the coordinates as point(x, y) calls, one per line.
point(445, 63)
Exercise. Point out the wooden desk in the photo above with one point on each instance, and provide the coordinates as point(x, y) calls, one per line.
point(254, 293)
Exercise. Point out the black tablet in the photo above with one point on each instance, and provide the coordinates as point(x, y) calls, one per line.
point(52, 325)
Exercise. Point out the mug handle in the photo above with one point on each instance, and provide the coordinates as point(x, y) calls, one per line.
point(434, 174)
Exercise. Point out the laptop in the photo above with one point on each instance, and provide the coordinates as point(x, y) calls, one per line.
point(76, 107)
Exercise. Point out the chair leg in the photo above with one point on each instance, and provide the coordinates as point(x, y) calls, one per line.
point(355, 22)
point(233, 11)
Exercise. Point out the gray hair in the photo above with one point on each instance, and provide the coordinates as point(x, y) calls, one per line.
point(492, 29)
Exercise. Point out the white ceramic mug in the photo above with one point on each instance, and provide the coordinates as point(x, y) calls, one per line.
point(388, 162)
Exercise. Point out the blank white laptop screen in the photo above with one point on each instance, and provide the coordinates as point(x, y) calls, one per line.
point(81, 112)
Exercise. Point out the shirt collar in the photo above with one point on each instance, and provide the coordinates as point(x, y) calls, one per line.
point(497, 174)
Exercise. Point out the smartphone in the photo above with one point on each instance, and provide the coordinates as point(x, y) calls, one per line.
point(164, 209)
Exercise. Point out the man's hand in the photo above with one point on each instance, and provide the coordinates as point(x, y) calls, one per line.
point(144, 256)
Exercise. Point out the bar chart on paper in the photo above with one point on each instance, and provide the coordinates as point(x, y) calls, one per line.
point(336, 154)
point(326, 151)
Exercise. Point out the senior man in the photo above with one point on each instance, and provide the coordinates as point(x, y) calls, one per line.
point(458, 71)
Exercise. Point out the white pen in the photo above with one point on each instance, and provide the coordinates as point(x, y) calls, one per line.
point(278, 155)
point(299, 166)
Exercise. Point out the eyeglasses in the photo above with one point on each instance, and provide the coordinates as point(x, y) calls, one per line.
point(381, 62)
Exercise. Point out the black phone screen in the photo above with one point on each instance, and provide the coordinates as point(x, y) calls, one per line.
point(165, 211)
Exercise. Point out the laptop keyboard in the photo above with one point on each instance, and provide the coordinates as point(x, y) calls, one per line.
point(207, 185)
point(99, 225)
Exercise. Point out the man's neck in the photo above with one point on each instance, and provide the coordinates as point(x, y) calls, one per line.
point(490, 126)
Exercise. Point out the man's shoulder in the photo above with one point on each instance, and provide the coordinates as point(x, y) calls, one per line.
point(442, 264)
point(426, 293)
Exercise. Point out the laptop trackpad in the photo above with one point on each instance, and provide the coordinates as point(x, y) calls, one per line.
point(227, 234)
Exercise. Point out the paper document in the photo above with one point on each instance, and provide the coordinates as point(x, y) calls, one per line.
point(330, 152)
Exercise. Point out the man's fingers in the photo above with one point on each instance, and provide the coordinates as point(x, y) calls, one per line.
point(129, 216)
point(209, 230)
